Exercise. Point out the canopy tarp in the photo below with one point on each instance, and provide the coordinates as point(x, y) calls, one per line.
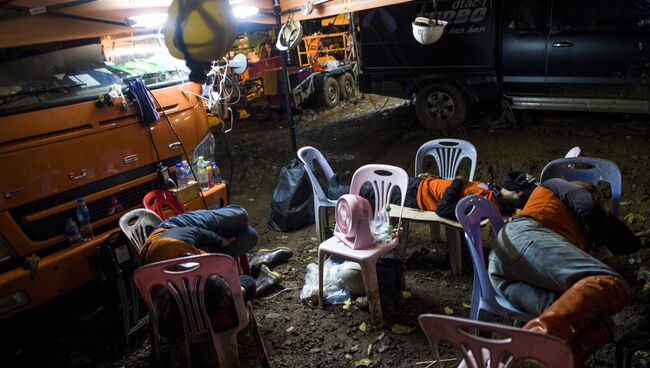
point(25, 29)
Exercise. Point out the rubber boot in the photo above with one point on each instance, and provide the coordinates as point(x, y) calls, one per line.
point(587, 301)
point(266, 280)
point(588, 342)
point(270, 258)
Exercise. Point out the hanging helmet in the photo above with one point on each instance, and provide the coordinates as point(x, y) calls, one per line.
point(290, 35)
point(199, 31)
point(427, 31)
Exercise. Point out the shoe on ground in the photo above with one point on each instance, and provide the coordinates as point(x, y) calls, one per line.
point(270, 258)
point(266, 280)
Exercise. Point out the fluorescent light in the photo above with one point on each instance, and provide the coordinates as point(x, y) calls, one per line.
point(244, 11)
point(147, 21)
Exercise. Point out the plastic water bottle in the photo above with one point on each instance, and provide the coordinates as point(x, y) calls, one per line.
point(72, 232)
point(181, 179)
point(83, 217)
point(202, 173)
point(208, 169)
point(216, 174)
point(189, 178)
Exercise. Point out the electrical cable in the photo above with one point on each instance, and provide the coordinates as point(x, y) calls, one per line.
point(205, 203)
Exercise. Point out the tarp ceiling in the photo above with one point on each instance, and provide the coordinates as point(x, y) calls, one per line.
point(32, 29)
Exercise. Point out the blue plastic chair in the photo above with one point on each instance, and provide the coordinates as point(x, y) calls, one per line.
point(589, 169)
point(485, 302)
point(307, 155)
point(448, 154)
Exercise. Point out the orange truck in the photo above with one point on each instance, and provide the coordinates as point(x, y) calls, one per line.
point(61, 138)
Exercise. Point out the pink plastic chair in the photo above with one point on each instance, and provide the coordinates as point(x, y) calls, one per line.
point(187, 288)
point(470, 211)
point(156, 200)
point(384, 180)
point(515, 346)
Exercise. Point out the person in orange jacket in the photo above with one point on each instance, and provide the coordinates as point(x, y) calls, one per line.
point(541, 265)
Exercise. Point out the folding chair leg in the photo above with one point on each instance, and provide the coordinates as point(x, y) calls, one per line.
point(435, 232)
point(400, 252)
point(319, 229)
point(321, 262)
point(453, 243)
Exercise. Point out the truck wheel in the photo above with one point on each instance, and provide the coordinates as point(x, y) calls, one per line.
point(347, 86)
point(440, 106)
point(330, 94)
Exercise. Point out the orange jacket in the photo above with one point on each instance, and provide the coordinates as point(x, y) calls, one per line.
point(549, 209)
point(160, 248)
point(431, 190)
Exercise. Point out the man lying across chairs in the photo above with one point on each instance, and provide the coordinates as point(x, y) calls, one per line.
point(431, 193)
point(541, 265)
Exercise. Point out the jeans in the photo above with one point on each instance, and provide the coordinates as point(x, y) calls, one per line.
point(230, 221)
point(531, 266)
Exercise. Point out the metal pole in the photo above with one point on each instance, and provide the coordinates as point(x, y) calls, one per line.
point(285, 76)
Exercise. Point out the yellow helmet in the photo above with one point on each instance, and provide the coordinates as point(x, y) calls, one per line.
point(200, 30)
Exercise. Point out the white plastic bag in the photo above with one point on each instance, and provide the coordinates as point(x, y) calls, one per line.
point(332, 292)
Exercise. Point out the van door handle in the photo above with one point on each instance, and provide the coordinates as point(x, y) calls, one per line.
point(72, 176)
point(130, 158)
point(174, 146)
point(563, 44)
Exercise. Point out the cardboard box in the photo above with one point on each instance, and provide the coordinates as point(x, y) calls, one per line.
point(186, 194)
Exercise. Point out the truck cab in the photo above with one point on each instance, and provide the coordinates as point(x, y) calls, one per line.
point(69, 130)
point(538, 54)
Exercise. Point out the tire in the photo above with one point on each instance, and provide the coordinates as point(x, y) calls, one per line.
point(440, 106)
point(347, 86)
point(330, 94)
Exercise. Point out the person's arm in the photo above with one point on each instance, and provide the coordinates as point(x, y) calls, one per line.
point(580, 200)
point(446, 207)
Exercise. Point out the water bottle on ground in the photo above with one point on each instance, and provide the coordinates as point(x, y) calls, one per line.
point(216, 173)
point(83, 217)
point(181, 179)
point(202, 174)
point(72, 232)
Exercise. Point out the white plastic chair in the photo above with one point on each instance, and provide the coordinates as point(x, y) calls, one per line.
point(307, 155)
point(573, 152)
point(589, 169)
point(384, 180)
point(137, 224)
point(511, 348)
point(448, 154)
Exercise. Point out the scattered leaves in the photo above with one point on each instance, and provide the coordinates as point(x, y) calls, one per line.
point(449, 311)
point(427, 278)
point(348, 356)
point(347, 303)
point(354, 348)
point(363, 327)
point(406, 294)
point(312, 250)
point(401, 329)
point(365, 362)
point(633, 218)
point(309, 258)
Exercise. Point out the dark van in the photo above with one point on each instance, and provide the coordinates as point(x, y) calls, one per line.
point(574, 55)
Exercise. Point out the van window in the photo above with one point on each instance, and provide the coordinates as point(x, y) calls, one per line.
point(597, 15)
point(530, 15)
point(45, 75)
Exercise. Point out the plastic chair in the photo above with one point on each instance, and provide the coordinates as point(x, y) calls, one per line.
point(448, 154)
point(470, 211)
point(589, 169)
point(513, 345)
point(138, 224)
point(384, 180)
point(307, 156)
point(157, 200)
point(117, 260)
point(187, 287)
point(573, 152)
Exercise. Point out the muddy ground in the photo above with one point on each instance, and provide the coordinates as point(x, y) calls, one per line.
point(79, 331)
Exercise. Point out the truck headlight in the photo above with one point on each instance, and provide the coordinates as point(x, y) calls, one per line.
point(5, 252)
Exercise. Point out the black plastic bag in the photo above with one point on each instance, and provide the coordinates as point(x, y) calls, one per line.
point(292, 205)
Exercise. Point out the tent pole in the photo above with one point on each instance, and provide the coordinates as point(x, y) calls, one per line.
point(285, 76)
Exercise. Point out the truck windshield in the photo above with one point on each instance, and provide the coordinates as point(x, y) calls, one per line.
point(38, 76)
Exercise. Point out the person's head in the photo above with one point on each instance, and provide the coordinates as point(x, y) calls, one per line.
point(517, 187)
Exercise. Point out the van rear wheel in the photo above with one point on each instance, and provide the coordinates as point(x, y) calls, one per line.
point(330, 94)
point(440, 106)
